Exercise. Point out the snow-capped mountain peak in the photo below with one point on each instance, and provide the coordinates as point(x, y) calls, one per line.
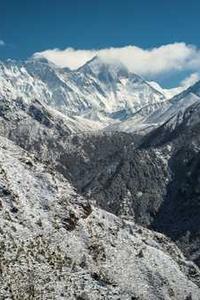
point(95, 88)
point(98, 67)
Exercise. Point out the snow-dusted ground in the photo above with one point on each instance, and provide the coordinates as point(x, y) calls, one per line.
point(54, 245)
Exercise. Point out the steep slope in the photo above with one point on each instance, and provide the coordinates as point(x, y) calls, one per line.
point(54, 244)
point(178, 215)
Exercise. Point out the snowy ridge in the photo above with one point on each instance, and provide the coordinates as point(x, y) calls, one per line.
point(178, 104)
point(152, 116)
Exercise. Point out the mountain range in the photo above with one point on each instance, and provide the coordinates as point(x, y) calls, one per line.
point(99, 184)
point(107, 94)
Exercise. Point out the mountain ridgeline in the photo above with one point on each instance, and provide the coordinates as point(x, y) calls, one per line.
point(99, 176)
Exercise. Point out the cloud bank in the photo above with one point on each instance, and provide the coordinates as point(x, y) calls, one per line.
point(152, 62)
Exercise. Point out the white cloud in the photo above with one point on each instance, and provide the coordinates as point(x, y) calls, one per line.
point(69, 57)
point(190, 80)
point(2, 43)
point(183, 85)
point(176, 57)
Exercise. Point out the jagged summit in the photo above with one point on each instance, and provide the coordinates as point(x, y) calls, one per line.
point(99, 66)
point(40, 59)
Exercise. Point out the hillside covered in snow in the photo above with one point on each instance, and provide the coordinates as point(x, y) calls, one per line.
point(99, 185)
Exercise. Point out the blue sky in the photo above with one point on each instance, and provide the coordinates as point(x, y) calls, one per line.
point(29, 26)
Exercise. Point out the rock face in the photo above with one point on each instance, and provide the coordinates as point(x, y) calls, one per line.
point(54, 244)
